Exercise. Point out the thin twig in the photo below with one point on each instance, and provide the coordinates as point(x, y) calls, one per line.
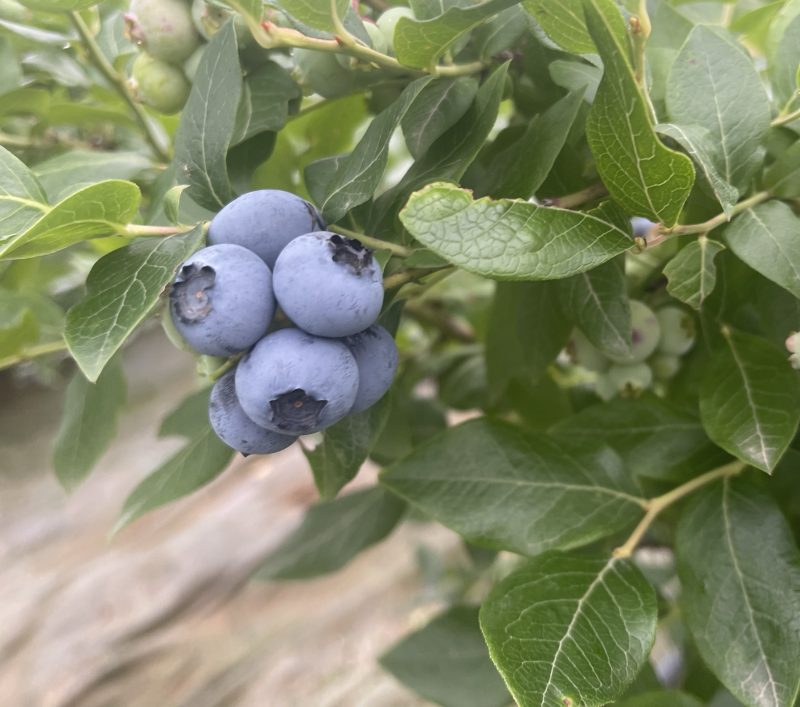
point(423, 312)
point(33, 352)
point(374, 243)
point(135, 231)
point(784, 119)
point(403, 278)
point(570, 201)
point(118, 84)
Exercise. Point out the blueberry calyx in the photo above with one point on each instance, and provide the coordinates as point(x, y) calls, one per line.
point(350, 252)
point(316, 221)
point(189, 294)
point(296, 410)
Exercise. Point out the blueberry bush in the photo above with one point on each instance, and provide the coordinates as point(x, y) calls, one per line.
point(570, 224)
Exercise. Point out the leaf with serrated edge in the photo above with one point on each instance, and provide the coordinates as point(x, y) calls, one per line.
point(597, 302)
point(22, 199)
point(698, 144)
point(645, 177)
point(715, 85)
point(345, 447)
point(89, 423)
point(740, 575)
point(750, 400)
point(520, 169)
point(447, 662)
point(691, 274)
point(208, 120)
point(333, 533)
point(567, 631)
point(122, 288)
point(513, 240)
point(420, 43)
point(505, 488)
point(654, 439)
point(435, 110)
point(765, 237)
point(360, 173)
point(97, 210)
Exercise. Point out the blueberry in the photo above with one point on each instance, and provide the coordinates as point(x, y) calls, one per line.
point(627, 379)
point(221, 301)
point(387, 23)
point(677, 330)
point(164, 28)
point(583, 353)
point(376, 355)
point(265, 222)
point(641, 227)
point(329, 285)
point(645, 334)
point(234, 427)
point(665, 366)
point(295, 383)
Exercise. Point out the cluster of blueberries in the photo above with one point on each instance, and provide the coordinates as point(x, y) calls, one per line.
point(269, 248)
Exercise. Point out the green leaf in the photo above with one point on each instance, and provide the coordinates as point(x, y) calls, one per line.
point(199, 462)
point(448, 157)
point(765, 237)
point(645, 177)
point(423, 258)
point(440, 105)
point(784, 62)
point(654, 439)
point(504, 488)
point(58, 5)
point(333, 533)
point(48, 315)
point(783, 176)
point(500, 33)
point(97, 210)
point(691, 273)
point(122, 288)
point(750, 400)
point(17, 332)
point(316, 13)
point(597, 302)
point(565, 22)
point(662, 698)
point(700, 146)
point(171, 203)
point(187, 418)
point(345, 447)
point(319, 173)
point(714, 84)
point(22, 199)
point(755, 24)
point(513, 240)
point(574, 76)
point(208, 120)
point(87, 167)
point(89, 422)
point(10, 69)
point(447, 662)
point(264, 104)
point(244, 159)
point(420, 43)
point(568, 631)
point(527, 330)
point(360, 173)
point(740, 572)
point(521, 168)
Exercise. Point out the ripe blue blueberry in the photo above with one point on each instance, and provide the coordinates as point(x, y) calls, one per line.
point(295, 383)
point(329, 285)
point(234, 427)
point(641, 227)
point(265, 222)
point(221, 300)
point(376, 355)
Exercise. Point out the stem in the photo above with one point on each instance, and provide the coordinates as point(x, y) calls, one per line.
point(718, 220)
point(33, 352)
point(374, 243)
point(119, 85)
point(570, 201)
point(639, 36)
point(342, 34)
point(783, 119)
point(427, 314)
point(225, 367)
point(460, 69)
point(135, 231)
point(656, 505)
point(403, 278)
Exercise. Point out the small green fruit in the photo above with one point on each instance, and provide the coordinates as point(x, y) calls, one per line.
point(677, 330)
point(584, 354)
point(319, 72)
point(628, 380)
point(193, 62)
point(208, 19)
point(388, 21)
point(645, 334)
point(163, 28)
point(160, 85)
point(665, 366)
point(379, 43)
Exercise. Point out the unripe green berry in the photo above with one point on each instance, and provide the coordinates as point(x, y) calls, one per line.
point(379, 43)
point(677, 330)
point(645, 334)
point(208, 19)
point(628, 380)
point(388, 21)
point(584, 354)
point(163, 28)
point(319, 72)
point(665, 366)
point(160, 85)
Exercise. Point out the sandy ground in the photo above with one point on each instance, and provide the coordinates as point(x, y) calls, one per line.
point(164, 615)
